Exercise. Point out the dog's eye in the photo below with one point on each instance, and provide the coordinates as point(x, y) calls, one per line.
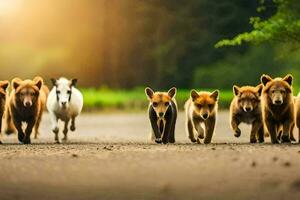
point(241, 99)
point(57, 92)
point(282, 91)
point(210, 105)
point(32, 93)
point(69, 91)
point(199, 106)
point(167, 104)
point(155, 104)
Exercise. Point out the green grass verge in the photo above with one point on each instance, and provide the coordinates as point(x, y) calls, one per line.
point(134, 100)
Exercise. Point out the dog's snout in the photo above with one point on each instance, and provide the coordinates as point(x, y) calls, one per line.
point(27, 104)
point(161, 114)
point(205, 116)
point(278, 102)
point(248, 109)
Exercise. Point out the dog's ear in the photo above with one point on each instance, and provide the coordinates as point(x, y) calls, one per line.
point(265, 79)
point(38, 78)
point(53, 81)
point(289, 79)
point(4, 84)
point(194, 94)
point(215, 94)
point(259, 89)
point(38, 81)
point(172, 92)
point(73, 82)
point(149, 92)
point(236, 90)
point(16, 83)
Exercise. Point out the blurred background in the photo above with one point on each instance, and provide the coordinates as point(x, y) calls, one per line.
point(117, 47)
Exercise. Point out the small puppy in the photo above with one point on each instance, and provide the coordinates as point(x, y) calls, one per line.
point(245, 107)
point(3, 94)
point(278, 107)
point(25, 104)
point(200, 109)
point(162, 114)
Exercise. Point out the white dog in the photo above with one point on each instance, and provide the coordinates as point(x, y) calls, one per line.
point(65, 103)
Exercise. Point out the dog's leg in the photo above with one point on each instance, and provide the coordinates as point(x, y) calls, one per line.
point(286, 131)
point(190, 130)
point(18, 125)
point(271, 127)
point(37, 124)
point(28, 131)
point(9, 125)
point(54, 126)
point(73, 127)
point(172, 131)
point(65, 131)
point(292, 133)
point(235, 126)
point(254, 130)
point(209, 129)
point(199, 129)
point(261, 134)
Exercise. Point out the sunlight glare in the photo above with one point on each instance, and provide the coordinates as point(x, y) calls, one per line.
point(8, 7)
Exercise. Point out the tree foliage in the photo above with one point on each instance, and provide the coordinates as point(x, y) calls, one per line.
point(282, 26)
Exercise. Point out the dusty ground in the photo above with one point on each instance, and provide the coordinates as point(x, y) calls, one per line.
point(108, 157)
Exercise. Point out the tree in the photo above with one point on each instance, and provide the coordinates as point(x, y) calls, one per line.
point(282, 26)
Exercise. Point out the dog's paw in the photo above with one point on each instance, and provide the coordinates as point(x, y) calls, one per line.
point(72, 128)
point(55, 130)
point(253, 140)
point(285, 139)
point(193, 140)
point(158, 140)
point(237, 132)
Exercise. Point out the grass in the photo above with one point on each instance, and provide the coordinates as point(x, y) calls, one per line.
point(135, 99)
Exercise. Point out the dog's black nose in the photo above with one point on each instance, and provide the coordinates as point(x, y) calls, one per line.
point(277, 102)
point(248, 109)
point(205, 116)
point(27, 104)
point(161, 114)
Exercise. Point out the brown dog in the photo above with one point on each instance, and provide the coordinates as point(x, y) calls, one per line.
point(245, 108)
point(3, 94)
point(200, 109)
point(162, 113)
point(278, 107)
point(26, 103)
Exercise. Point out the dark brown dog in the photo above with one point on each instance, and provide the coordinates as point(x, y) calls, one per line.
point(278, 107)
point(26, 103)
point(245, 108)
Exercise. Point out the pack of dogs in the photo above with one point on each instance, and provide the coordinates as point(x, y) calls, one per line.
point(22, 107)
point(270, 108)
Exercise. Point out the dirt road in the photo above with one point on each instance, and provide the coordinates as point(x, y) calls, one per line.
point(108, 157)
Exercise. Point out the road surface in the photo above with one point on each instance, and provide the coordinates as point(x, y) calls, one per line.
point(110, 157)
